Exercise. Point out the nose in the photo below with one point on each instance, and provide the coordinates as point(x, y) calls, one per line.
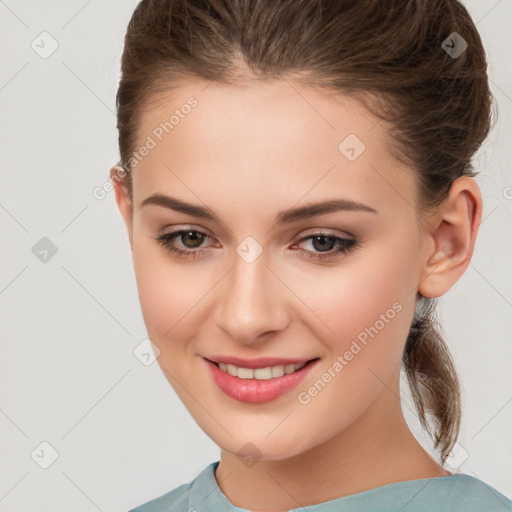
point(252, 302)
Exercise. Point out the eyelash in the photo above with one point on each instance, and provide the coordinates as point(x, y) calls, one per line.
point(346, 245)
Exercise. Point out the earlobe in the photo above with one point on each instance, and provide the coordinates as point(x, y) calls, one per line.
point(452, 233)
point(123, 200)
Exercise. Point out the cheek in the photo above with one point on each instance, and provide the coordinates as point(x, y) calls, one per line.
point(168, 292)
point(365, 310)
point(367, 301)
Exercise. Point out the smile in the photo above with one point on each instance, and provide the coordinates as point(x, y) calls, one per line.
point(267, 373)
point(258, 385)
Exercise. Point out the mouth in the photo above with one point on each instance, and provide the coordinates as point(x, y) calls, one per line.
point(261, 372)
point(260, 384)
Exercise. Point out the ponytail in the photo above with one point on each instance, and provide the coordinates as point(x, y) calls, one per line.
point(432, 377)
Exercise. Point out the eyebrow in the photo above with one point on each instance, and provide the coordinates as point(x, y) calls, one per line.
point(283, 217)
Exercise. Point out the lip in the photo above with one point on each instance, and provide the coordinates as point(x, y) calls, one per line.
point(257, 391)
point(260, 362)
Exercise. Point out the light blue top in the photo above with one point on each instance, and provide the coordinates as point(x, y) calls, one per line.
point(454, 493)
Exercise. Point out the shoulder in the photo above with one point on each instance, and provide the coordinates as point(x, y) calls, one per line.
point(455, 493)
point(462, 492)
point(478, 495)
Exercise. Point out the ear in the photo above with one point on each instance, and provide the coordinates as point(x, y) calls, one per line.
point(450, 237)
point(123, 200)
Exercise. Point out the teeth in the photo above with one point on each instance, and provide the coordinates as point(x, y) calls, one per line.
point(260, 373)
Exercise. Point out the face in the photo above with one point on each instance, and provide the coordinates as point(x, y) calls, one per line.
point(255, 279)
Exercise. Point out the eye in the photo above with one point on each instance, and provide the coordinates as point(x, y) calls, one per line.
point(192, 237)
point(325, 245)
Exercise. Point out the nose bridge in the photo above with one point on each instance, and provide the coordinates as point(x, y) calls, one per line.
point(251, 303)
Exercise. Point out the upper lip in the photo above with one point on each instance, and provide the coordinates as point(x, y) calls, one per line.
point(260, 362)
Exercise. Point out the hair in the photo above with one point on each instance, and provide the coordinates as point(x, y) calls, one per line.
point(390, 56)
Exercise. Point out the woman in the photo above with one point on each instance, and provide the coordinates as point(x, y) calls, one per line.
point(297, 185)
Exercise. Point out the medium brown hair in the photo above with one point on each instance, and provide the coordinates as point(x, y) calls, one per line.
point(391, 56)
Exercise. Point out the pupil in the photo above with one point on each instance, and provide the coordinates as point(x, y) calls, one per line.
point(322, 239)
point(196, 238)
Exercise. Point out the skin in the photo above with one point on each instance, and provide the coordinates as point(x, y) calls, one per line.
point(247, 153)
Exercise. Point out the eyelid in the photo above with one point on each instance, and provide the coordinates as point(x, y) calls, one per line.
point(327, 232)
point(179, 228)
point(186, 227)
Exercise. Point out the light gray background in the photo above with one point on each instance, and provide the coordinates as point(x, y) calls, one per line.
point(70, 325)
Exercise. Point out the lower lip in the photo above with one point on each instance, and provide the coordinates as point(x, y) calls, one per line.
point(257, 391)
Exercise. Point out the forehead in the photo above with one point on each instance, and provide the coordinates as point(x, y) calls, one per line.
point(265, 142)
